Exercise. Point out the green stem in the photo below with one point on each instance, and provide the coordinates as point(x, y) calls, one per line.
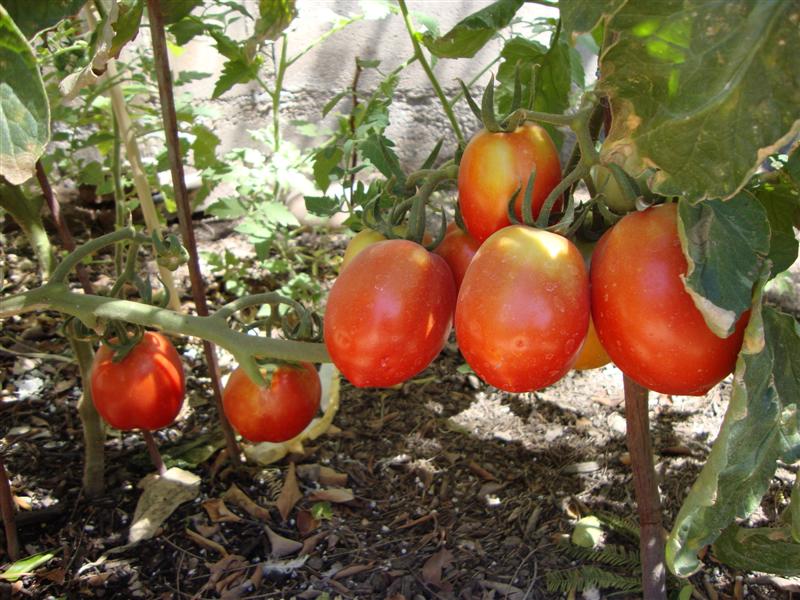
point(322, 38)
point(26, 213)
point(74, 258)
point(280, 73)
point(119, 194)
point(448, 109)
point(94, 433)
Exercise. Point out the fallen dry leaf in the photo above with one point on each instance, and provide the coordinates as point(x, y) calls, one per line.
point(306, 523)
point(205, 542)
point(161, 496)
point(354, 570)
point(509, 591)
point(290, 493)
point(236, 496)
point(322, 474)
point(433, 567)
point(223, 568)
point(218, 512)
point(480, 471)
point(311, 542)
point(281, 546)
point(337, 495)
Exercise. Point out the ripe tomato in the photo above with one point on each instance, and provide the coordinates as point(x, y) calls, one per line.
point(494, 166)
point(645, 319)
point(389, 313)
point(457, 249)
point(143, 391)
point(276, 413)
point(523, 309)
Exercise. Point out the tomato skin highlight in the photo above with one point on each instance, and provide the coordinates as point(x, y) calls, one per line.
point(389, 313)
point(276, 413)
point(143, 391)
point(523, 309)
point(457, 249)
point(494, 166)
point(645, 319)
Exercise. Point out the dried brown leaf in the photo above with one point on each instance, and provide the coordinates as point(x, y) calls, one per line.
point(218, 512)
point(306, 523)
point(290, 493)
point(328, 476)
point(311, 542)
point(236, 496)
point(281, 546)
point(205, 542)
point(161, 496)
point(433, 567)
point(354, 570)
point(480, 471)
point(336, 495)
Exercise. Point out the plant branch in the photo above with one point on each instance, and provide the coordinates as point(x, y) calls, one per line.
point(429, 72)
point(7, 510)
point(152, 450)
point(651, 541)
point(170, 120)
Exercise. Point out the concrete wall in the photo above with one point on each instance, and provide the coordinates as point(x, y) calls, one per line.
point(417, 120)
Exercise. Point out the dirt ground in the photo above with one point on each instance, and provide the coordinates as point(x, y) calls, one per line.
point(441, 488)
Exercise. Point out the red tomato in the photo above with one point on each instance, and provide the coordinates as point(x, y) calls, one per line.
point(389, 313)
point(646, 320)
point(494, 166)
point(457, 249)
point(523, 309)
point(364, 238)
point(143, 391)
point(276, 413)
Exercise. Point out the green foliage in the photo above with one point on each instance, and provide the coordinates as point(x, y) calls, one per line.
point(25, 566)
point(23, 103)
point(580, 16)
point(768, 549)
point(472, 33)
point(33, 17)
point(584, 578)
point(760, 427)
point(684, 77)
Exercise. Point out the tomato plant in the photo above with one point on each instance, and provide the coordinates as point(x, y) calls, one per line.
point(276, 413)
point(457, 249)
point(144, 390)
point(364, 238)
point(523, 308)
point(494, 166)
point(645, 319)
point(389, 313)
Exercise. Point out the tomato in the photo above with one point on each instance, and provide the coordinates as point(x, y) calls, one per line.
point(592, 354)
point(364, 238)
point(614, 197)
point(389, 313)
point(645, 319)
point(457, 249)
point(144, 390)
point(494, 166)
point(523, 309)
point(276, 413)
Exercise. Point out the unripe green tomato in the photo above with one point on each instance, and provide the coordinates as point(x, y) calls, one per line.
point(606, 184)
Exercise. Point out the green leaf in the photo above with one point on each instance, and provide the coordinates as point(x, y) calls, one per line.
point(588, 532)
point(127, 24)
point(92, 173)
point(725, 244)
point(235, 72)
point(25, 566)
point(228, 208)
point(175, 10)
point(186, 29)
point(781, 203)
point(702, 91)
point(322, 510)
point(760, 427)
point(377, 149)
point(34, 16)
point(325, 160)
point(582, 16)
point(204, 147)
point(322, 206)
point(472, 33)
point(794, 509)
point(274, 17)
point(24, 109)
point(765, 549)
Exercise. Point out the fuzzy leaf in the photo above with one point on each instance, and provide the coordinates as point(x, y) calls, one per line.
point(472, 33)
point(581, 16)
point(760, 427)
point(175, 10)
point(781, 202)
point(274, 17)
point(24, 109)
point(34, 16)
point(325, 160)
point(725, 244)
point(322, 206)
point(127, 25)
point(765, 549)
point(702, 90)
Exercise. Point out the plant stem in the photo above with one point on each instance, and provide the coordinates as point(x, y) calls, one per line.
point(7, 510)
point(651, 541)
point(152, 450)
point(25, 212)
point(448, 109)
point(169, 117)
point(280, 73)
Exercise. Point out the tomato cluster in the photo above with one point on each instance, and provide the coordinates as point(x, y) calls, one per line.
point(527, 306)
